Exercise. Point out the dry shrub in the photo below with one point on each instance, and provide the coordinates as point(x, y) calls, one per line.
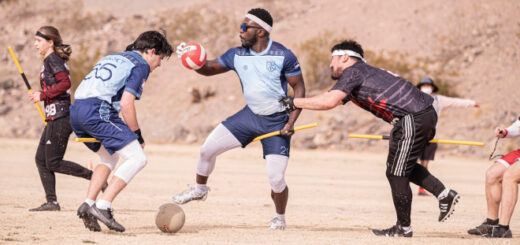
point(197, 95)
point(314, 54)
point(215, 30)
point(518, 33)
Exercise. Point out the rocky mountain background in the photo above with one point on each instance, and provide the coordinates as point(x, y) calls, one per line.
point(470, 47)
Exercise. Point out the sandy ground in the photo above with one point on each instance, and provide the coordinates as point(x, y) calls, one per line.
point(335, 198)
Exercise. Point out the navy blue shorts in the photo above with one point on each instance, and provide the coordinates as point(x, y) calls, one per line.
point(96, 118)
point(245, 126)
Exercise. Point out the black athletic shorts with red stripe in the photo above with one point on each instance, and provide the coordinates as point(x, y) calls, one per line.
point(408, 140)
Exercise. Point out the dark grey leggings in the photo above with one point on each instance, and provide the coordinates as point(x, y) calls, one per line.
point(49, 156)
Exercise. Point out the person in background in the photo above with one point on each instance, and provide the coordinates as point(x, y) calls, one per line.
point(440, 102)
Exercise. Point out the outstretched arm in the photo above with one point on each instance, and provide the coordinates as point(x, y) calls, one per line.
point(323, 101)
point(212, 67)
point(298, 87)
point(445, 102)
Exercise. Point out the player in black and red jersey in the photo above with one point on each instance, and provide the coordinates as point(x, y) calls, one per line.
point(398, 102)
point(55, 84)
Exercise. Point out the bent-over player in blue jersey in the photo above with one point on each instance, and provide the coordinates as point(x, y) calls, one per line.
point(112, 86)
point(265, 68)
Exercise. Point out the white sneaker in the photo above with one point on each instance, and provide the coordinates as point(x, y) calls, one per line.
point(277, 223)
point(192, 193)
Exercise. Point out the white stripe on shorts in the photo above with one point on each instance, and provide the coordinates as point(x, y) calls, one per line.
point(406, 144)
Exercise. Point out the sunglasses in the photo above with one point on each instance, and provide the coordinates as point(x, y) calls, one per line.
point(244, 27)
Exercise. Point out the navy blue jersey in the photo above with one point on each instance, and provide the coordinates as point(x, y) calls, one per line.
point(384, 94)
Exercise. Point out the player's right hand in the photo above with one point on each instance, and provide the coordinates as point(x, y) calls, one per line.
point(500, 132)
point(181, 49)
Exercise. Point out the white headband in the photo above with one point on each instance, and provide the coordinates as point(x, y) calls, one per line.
point(260, 22)
point(341, 52)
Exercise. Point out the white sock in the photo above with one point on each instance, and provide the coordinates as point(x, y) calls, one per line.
point(407, 228)
point(90, 202)
point(280, 216)
point(201, 187)
point(443, 194)
point(102, 204)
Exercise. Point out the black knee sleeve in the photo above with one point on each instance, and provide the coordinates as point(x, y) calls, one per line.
point(423, 178)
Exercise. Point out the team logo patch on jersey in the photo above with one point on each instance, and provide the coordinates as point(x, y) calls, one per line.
point(271, 66)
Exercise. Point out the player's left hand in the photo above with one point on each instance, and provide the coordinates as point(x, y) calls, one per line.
point(288, 129)
point(35, 96)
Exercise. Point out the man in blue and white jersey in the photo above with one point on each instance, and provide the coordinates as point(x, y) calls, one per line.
point(112, 86)
point(265, 68)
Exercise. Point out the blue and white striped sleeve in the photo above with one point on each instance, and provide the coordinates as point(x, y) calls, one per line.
point(228, 59)
point(291, 67)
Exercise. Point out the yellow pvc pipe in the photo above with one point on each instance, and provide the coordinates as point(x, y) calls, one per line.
point(261, 137)
point(366, 136)
point(26, 82)
point(85, 140)
point(440, 141)
point(457, 142)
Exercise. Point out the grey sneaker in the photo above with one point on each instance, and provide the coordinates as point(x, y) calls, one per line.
point(89, 221)
point(277, 223)
point(192, 193)
point(499, 232)
point(482, 229)
point(106, 217)
point(48, 206)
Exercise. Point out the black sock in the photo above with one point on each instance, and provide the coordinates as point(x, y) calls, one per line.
point(505, 227)
point(491, 221)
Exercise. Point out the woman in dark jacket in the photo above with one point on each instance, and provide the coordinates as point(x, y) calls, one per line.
point(55, 84)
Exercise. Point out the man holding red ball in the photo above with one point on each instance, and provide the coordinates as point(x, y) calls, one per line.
point(265, 68)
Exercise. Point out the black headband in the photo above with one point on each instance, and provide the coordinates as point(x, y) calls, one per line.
point(38, 33)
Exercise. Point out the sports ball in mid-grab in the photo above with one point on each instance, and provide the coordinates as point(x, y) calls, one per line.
point(170, 218)
point(194, 57)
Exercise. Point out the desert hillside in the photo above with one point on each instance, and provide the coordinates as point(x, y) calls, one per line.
point(472, 47)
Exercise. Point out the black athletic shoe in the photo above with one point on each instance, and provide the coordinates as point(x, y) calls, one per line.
point(106, 217)
point(482, 229)
point(499, 232)
point(48, 206)
point(447, 205)
point(89, 221)
point(394, 231)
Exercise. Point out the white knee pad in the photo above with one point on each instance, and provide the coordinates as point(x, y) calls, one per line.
point(218, 141)
point(135, 160)
point(106, 159)
point(276, 165)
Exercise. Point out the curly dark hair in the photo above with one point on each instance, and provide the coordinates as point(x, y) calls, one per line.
point(350, 45)
point(152, 40)
point(262, 14)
